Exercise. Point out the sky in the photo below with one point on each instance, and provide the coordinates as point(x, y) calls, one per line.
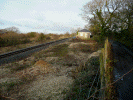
point(47, 16)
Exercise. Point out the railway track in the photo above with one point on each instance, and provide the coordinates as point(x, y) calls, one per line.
point(22, 53)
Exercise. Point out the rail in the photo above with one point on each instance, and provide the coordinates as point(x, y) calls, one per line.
point(29, 48)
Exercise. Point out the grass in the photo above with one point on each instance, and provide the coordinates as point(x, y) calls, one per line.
point(83, 40)
point(27, 78)
point(86, 48)
point(69, 60)
point(20, 67)
point(12, 38)
point(11, 41)
point(59, 50)
point(17, 67)
point(8, 86)
point(83, 74)
point(83, 80)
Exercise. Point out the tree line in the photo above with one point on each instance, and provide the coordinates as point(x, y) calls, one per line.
point(110, 18)
point(12, 36)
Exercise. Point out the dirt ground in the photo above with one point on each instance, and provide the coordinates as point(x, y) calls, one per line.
point(47, 74)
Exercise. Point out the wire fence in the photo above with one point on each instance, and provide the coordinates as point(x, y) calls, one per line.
point(98, 90)
point(94, 81)
point(94, 92)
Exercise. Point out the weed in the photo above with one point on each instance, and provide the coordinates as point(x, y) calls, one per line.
point(83, 40)
point(8, 86)
point(17, 67)
point(70, 60)
point(20, 67)
point(84, 48)
point(83, 80)
point(59, 50)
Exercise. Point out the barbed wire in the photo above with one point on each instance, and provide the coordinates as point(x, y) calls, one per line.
point(97, 85)
point(93, 82)
point(109, 84)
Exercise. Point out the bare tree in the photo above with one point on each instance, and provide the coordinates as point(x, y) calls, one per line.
point(103, 11)
point(126, 14)
point(13, 29)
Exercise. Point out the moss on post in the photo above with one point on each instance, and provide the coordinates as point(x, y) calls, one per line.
point(102, 72)
point(106, 72)
point(110, 92)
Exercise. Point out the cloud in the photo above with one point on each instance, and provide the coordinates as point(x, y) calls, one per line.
point(1, 23)
point(26, 21)
point(51, 15)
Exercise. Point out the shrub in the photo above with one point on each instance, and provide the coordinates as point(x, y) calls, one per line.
point(84, 48)
point(12, 38)
point(48, 38)
point(2, 42)
point(41, 37)
point(83, 80)
point(32, 34)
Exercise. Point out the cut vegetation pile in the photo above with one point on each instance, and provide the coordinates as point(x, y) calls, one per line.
point(64, 71)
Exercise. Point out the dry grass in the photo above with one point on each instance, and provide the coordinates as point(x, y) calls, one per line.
point(11, 41)
point(83, 40)
point(84, 47)
point(52, 87)
point(58, 50)
point(12, 38)
point(83, 75)
point(47, 74)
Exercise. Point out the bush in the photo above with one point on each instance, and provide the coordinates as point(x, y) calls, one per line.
point(32, 34)
point(2, 42)
point(41, 37)
point(83, 81)
point(98, 38)
point(125, 37)
point(12, 38)
point(48, 38)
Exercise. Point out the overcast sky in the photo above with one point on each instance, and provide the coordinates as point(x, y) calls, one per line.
point(51, 16)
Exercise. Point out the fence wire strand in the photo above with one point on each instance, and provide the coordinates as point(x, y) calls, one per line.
point(109, 85)
point(93, 82)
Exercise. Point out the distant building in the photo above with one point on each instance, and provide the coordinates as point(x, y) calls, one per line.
point(84, 34)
